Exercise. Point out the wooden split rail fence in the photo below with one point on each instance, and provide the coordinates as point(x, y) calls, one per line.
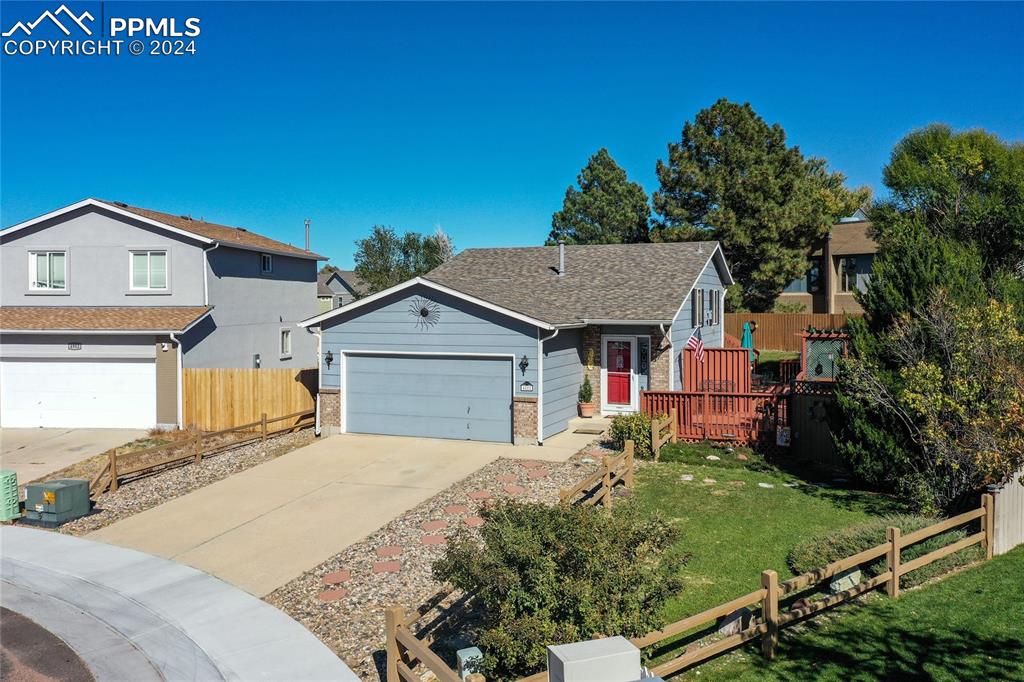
point(597, 488)
point(193, 449)
point(776, 601)
point(664, 430)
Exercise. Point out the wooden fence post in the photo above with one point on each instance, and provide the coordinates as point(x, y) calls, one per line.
point(263, 427)
point(988, 523)
point(606, 482)
point(393, 618)
point(628, 461)
point(197, 448)
point(113, 470)
point(674, 415)
point(770, 612)
point(892, 560)
point(704, 413)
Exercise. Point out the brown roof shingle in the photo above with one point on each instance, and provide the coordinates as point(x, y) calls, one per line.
point(601, 282)
point(237, 236)
point(15, 318)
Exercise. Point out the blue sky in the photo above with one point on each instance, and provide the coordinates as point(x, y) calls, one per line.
point(474, 117)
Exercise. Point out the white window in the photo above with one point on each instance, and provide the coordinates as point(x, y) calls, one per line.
point(286, 343)
point(149, 270)
point(266, 262)
point(47, 270)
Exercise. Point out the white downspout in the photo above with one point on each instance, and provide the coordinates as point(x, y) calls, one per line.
point(181, 388)
point(206, 271)
point(319, 375)
point(540, 384)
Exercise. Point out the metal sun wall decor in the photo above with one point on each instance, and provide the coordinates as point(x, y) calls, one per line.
point(426, 312)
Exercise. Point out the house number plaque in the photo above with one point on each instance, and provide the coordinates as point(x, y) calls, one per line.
point(526, 387)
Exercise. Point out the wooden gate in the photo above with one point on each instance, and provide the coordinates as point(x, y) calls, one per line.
point(216, 399)
point(810, 407)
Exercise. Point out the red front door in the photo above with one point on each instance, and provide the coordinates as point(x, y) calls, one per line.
point(619, 359)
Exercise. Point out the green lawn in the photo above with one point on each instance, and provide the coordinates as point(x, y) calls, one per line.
point(733, 529)
point(968, 626)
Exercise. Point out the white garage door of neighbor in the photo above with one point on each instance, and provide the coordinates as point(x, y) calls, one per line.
point(115, 393)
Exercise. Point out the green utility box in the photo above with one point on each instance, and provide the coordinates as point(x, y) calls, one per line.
point(10, 505)
point(54, 502)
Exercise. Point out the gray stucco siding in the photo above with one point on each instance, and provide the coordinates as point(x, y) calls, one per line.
point(563, 374)
point(250, 309)
point(682, 329)
point(97, 245)
point(455, 327)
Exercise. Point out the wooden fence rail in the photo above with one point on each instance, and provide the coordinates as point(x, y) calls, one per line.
point(202, 445)
point(778, 331)
point(597, 487)
point(664, 430)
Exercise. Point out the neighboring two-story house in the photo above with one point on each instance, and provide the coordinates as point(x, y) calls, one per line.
point(840, 266)
point(335, 288)
point(494, 344)
point(104, 304)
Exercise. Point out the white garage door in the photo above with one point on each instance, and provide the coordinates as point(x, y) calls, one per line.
point(85, 393)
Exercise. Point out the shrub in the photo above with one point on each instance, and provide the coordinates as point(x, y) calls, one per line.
point(586, 391)
point(635, 427)
point(548, 575)
point(824, 549)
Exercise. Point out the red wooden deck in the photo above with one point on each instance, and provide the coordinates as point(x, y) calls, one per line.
point(743, 418)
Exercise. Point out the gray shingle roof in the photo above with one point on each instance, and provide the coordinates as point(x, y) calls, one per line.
point(601, 282)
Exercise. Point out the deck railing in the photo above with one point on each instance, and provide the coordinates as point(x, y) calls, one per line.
point(737, 417)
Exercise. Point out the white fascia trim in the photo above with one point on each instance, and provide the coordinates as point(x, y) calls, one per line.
point(430, 285)
point(107, 207)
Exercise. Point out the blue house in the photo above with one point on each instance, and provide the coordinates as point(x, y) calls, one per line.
point(494, 344)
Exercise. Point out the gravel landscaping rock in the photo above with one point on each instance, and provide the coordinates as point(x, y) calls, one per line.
point(353, 625)
point(144, 493)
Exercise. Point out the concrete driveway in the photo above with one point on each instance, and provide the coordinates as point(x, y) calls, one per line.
point(33, 453)
point(262, 527)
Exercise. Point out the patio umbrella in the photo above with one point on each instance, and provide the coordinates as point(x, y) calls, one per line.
point(748, 340)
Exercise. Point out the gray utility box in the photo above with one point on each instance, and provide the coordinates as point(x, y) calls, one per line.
point(57, 501)
point(613, 659)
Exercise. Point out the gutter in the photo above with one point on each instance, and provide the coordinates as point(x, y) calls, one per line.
point(648, 322)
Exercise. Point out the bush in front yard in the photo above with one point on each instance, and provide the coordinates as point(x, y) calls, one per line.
point(635, 427)
point(824, 549)
point(550, 575)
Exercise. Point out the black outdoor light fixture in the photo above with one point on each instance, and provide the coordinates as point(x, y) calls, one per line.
point(329, 358)
point(524, 363)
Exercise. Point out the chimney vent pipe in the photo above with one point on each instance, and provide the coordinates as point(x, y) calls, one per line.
point(307, 234)
point(561, 257)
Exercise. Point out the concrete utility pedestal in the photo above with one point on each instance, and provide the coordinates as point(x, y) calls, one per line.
point(613, 659)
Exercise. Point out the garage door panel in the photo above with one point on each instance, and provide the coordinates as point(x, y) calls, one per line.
point(80, 394)
point(431, 396)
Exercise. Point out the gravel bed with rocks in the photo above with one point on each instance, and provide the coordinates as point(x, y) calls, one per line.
point(148, 491)
point(342, 600)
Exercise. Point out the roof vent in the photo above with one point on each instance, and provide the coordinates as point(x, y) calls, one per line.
point(185, 217)
point(121, 204)
point(561, 257)
point(241, 229)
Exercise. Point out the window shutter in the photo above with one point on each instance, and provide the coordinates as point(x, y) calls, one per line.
point(694, 307)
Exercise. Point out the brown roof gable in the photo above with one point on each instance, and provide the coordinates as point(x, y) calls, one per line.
point(44, 318)
point(848, 239)
point(623, 282)
point(229, 236)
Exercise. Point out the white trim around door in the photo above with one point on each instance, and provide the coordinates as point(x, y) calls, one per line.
point(634, 393)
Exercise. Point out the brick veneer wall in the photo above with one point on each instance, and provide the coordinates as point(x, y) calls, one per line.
point(330, 411)
point(661, 360)
point(592, 345)
point(524, 420)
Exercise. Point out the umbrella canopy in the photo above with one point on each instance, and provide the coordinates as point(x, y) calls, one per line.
point(748, 340)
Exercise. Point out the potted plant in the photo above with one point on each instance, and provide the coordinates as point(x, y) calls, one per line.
point(586, 397)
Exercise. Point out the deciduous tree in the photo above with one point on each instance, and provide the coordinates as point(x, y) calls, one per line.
point(384, 259)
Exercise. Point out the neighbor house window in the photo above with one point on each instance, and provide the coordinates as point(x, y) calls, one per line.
point(814, 277)
point(847, 274)
point(286, 343)
point(149, 270)
point(48, 270)
point(266, 262)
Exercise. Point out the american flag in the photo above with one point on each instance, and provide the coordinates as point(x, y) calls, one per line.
point(696, 344)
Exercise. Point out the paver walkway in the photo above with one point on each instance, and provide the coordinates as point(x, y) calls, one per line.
point(132, 616)
point(262, 527)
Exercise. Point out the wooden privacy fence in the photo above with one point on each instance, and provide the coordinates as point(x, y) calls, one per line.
point(778, 331)
point(597, 488)
point(724, 370)
point(193, 449)
point(777, 609)
point(214, 399)
point(736, 417)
